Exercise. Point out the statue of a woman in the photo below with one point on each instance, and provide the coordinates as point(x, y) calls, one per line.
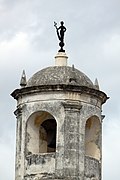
point(60, 33)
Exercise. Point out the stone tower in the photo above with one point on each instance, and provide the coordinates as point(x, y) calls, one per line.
point(59, 125)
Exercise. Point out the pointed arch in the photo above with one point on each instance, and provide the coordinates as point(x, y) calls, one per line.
point(41, 133)
point(93, 137)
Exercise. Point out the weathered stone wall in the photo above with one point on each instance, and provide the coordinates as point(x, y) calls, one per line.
point(40, 164)
point(71, 111)
point(92, 169)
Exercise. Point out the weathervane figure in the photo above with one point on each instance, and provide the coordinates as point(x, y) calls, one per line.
point(60, 33)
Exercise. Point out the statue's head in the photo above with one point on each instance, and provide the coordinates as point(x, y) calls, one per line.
point(62, 22)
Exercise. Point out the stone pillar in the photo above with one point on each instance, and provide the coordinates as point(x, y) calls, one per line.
point(18, 114)
point(71, 139)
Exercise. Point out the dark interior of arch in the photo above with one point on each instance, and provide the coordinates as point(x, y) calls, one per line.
point(50, 127)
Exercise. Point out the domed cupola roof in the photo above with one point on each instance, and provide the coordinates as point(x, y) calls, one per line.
point(60, 75)
point(59, 78)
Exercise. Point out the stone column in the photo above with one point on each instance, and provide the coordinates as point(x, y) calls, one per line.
point(18, 114)
point(71, 139)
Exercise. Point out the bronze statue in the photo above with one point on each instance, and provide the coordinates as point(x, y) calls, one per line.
point(60, 33)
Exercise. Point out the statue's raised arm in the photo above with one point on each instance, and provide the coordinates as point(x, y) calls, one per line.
point(60, 33)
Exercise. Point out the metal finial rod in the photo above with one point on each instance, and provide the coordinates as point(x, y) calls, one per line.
point(60, 33)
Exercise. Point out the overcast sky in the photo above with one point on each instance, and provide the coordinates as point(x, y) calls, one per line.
point(28, 41)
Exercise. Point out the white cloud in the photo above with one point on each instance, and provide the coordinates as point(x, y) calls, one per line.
point(111, 149)
point(112, 47)
point(10, 49)
point(18, 42)
point(7, 155)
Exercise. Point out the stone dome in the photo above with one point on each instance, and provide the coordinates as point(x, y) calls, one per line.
point(60, 75)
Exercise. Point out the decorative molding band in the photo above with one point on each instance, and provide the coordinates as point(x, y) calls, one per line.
point(18, 111)
point(69, 105)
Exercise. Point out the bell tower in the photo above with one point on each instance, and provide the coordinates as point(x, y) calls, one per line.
point(59, 124)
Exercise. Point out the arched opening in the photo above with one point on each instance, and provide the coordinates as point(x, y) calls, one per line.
point(48, 135)
point(41, 133)
point(93, 137)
